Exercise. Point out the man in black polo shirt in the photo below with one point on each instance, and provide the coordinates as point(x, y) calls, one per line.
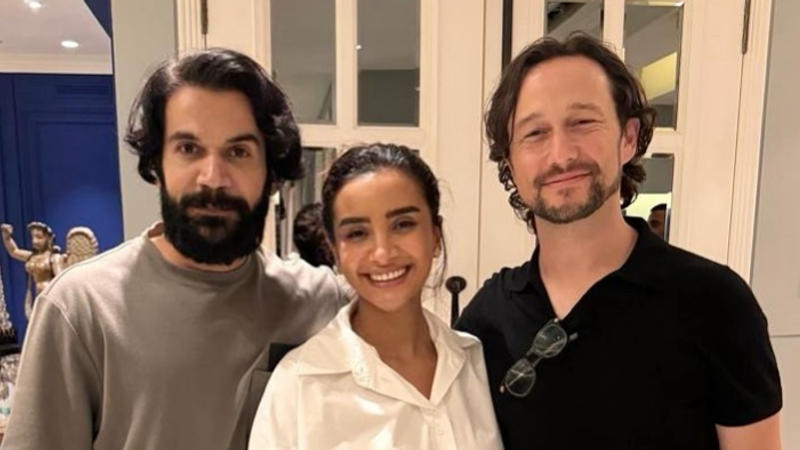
point(608, 338)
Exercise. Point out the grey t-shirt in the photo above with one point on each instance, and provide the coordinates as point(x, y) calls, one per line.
point(127, 351)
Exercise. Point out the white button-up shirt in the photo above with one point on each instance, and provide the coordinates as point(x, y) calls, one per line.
point(334, 392)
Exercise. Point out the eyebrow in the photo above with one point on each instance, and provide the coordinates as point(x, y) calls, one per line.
point(187, 136)
point(389, 215)
point(245, 137)
point(574, 106)
point(586, 106)
point(182, 136)
point(529, 118)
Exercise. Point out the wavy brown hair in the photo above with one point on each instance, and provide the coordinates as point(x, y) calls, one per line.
point(629, 100)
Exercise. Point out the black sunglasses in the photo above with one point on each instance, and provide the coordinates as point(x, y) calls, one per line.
point(549, 341)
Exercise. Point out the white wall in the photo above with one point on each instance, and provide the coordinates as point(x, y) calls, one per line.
point(776, 253)
point(144, 34)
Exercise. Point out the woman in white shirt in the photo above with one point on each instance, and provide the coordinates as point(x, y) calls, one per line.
point(385, 373)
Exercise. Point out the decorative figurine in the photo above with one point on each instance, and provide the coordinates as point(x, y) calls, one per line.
point(45, 260)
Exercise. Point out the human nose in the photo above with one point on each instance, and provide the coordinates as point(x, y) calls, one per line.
point(214, 173)
point(563, 150)
point(383, 249)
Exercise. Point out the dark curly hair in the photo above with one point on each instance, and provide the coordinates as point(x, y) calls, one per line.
point(308, 236)
point(220, 70)
point(365, 159)
point(629, 100)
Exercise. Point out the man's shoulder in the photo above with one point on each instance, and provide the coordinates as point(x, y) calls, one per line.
point(488, 301)
point(105, 268)
point(301, 281)
point(294, 273)
point(81, 289)
point(501, 283)
point(689, 271)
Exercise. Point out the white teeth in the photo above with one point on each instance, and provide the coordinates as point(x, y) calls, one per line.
point(388, 276)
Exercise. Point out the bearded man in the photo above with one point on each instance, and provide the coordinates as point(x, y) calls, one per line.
point(167, 340)
point(608, 337)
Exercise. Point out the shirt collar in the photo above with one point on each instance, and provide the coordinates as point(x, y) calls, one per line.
point(338, 349)
point(644, 265)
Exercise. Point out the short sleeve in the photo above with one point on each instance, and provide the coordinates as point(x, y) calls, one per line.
point(744, 384)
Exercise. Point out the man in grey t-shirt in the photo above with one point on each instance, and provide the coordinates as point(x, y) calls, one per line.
point(166, 341)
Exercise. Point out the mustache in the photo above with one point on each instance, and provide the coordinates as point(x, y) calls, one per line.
point(574, 166)
point(214, 198)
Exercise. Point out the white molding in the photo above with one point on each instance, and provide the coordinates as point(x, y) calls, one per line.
point(262, 39)
point(56, 63)
point(504, 240)
point(614, 25)
point(749, 139)
point(428, 80)
point(346, 131)
point(527, 24)
point(335, 136)
point(189, 33)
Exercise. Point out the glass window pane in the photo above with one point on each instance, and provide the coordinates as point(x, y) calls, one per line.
point(294, 196)
point(654, 202)
point(388, 62)
point(653, 48)
point(316, 162)
point(304, 56)
point(565, 17)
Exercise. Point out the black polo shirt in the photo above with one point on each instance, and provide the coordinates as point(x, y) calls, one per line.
point(668, 346)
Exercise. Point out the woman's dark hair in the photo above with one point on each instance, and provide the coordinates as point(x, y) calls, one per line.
point(308, 236)
point(371, 158)
point(218, 70)
point(629, 100)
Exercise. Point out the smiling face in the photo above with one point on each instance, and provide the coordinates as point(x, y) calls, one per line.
point(385, 239)
point(568, 148)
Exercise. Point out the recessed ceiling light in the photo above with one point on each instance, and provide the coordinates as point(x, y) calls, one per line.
point(34, 4)
point(69, 44)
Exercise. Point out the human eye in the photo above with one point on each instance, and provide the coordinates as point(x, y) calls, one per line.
point(404, 224)
point(239, 152)
point(583, 122)
point(187, 148)
point(535, 133)
point(354, 234)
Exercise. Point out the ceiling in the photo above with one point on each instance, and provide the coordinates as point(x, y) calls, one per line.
point(27, 34)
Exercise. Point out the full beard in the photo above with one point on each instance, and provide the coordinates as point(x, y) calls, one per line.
point(209, 239)
point(598, 194)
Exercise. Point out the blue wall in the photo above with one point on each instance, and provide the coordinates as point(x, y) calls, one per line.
point(58, 153)
point(102, 12)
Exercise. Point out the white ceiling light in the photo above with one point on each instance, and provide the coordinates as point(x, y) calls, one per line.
point(34, 4)
point(69, 44)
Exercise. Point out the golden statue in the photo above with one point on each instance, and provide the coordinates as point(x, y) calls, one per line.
point(45, 260)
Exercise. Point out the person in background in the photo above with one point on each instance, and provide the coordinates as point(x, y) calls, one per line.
point(166, 341)
point(658, 220)
point(608, 337)
point(309, 238)
point(385, 373)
